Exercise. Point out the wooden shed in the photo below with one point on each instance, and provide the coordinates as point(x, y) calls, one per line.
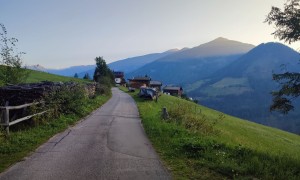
point(119, 78)
point(174, 91)
point(138, 82)
point(156, 84)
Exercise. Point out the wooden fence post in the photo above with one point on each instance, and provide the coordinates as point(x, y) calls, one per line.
point(165, 114)
point(6, 120)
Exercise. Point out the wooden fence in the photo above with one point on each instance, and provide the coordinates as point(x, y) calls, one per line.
point(5, 120)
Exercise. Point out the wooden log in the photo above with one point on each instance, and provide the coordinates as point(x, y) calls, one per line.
point(25, 118)
point(19, 107)
point(6, 120)
point(165, 113)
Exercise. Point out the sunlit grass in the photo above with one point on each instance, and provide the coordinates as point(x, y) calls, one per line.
point(240, 149)
point(37, 76)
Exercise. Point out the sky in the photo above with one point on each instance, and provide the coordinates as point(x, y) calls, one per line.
point(63, 33)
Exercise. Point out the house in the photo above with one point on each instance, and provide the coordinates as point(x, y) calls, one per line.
point(119, 78)
point(174, 91)
point(138, 82)
point(155, 84)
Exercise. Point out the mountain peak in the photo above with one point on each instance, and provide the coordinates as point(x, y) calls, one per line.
point(171, 50)
point(220, 47)
point(220, 39)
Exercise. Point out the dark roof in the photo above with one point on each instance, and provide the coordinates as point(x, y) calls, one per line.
point(140, 79)
point(172, 88)
point(155, 83)
point(118, 73)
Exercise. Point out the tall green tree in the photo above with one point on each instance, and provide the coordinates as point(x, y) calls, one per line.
point(75, 75)
point(102, 73)
point(11, 71)
point(287, 24)
point(86, 76)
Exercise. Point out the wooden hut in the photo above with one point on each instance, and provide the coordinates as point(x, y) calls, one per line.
point(174, 91)
point(138, 82)
point(156, 84)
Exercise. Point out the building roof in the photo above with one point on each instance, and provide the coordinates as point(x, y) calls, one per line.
point(158, 83)
point(118, 74)
point(172, 88)
point(140, 79)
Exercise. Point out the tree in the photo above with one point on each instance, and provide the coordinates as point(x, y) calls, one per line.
point(75, 75)
point(86, 76)
point(11, 71)
point(287, 24)
point(102, 73)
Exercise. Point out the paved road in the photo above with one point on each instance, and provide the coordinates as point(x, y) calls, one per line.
point(109, 144)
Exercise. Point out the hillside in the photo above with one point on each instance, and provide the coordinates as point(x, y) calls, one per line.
point(186, 67)
point(201, 143)
point(37, 76)
point(243, 88)
point(131, 64)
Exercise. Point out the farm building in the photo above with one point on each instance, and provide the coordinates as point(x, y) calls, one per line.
point(138, 82)
point(119, 78)
point(174, 91)
point(155, 84)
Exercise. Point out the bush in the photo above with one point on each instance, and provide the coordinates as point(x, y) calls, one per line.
point(67, 99)
point(192, 119)
point(102, 89)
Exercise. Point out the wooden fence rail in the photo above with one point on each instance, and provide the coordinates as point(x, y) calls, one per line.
point(5, 118)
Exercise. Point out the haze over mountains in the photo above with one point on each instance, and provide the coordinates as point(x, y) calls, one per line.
point(132, 64)
point(243, 88)
point(229, 76)
point(188, 66)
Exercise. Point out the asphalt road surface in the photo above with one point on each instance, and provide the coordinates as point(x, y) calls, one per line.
point(109, 144)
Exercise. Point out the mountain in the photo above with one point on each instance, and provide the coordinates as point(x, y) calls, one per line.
point(243, 88)
point(36, 68)
point(71, 70)
point(187, 66)
point(130, 64)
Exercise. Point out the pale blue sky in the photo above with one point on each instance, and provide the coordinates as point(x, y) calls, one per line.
point(62, 33)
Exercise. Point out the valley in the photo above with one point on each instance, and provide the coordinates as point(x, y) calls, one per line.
point(226, 75)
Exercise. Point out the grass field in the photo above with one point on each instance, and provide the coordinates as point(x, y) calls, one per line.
point(37, 76)
point(199, 143)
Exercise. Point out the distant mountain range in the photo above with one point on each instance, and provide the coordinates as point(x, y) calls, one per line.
point(243, 88)
point(190, 65)
point(131, 64)
point(70, 71)
point(126, 65)
point(227, 75)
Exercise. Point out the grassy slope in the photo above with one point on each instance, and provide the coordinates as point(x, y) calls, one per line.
point(21, 143)
point(37, 76)
point(240, 149)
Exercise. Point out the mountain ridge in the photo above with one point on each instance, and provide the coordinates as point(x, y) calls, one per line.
point(243, 88)
point(170, 69)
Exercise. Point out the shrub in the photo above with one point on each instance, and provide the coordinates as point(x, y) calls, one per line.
point(67, 99)
point(192, 119)
point(102, 89)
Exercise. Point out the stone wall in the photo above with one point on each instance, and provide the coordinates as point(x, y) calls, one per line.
point(14, 95)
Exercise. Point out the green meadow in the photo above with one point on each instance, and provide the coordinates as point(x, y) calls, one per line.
point(196, 142)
